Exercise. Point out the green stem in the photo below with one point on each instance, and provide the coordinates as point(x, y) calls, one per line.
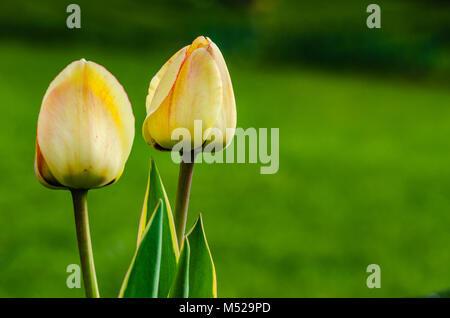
point(84, 243)
point(182, 201)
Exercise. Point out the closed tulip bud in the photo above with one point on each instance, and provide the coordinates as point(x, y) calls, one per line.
point(194, 84)
point(85, 129)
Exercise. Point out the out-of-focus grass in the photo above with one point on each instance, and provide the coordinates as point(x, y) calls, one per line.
point(364, 178)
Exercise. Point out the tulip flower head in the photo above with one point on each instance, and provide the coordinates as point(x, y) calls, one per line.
point(85, 129)
point(193, 85)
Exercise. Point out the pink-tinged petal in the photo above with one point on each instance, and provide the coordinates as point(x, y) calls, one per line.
point(227, 115)
point(198, 93)
point(43, 173)
point(169, 72)
point(85, 127)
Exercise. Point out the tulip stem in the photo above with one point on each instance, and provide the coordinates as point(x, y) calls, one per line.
point(182, 201)
point(84, 243)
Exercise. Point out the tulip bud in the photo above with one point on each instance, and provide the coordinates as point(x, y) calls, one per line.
point(194, 84)
point(85, 129)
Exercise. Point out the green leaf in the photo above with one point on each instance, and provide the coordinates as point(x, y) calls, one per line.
point(142, 279)
point(180, 287)
point(169, 255)
point(202, 274)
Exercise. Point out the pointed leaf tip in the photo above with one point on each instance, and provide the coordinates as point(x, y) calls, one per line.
point(202, 274)
point(180, 286)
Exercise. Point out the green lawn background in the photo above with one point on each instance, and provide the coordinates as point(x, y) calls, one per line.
point(364, 178)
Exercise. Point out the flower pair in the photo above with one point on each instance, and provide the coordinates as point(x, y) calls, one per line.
point(85, 128)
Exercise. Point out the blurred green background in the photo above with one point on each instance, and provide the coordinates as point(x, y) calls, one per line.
point(364, 118)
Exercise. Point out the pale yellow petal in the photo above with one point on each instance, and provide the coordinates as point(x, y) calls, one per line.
point(156, 80)
point(226, 120)
point(198, 93)
point(162, 84)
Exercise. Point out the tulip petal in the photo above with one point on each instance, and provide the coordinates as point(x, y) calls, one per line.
point(43, 173)
point(85, 127)
point(227, 115)
point(160, 87)
point(197, 94)
point(175, 63)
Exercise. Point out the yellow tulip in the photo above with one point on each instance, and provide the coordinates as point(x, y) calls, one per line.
point(194, 84)
point(85, 129)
